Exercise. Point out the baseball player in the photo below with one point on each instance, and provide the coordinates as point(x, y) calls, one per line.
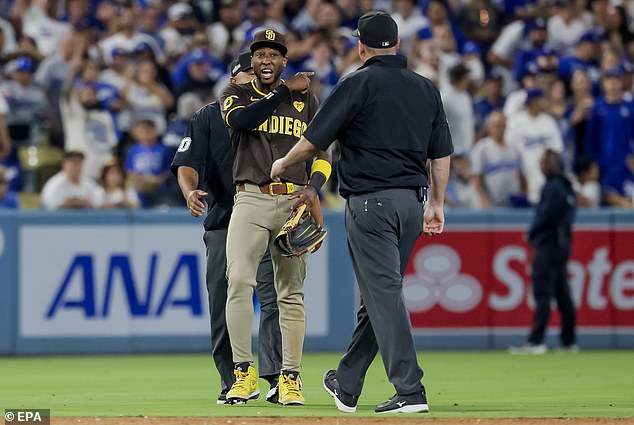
point(389, 121)
point(266, 117)
point(206, 151)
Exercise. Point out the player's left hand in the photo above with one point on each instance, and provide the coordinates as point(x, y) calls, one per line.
point(277, 169)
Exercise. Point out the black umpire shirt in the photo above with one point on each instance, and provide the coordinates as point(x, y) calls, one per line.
point(388, 120)
point(207, 149)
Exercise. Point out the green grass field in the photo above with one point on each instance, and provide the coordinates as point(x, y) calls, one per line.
point(488, 384)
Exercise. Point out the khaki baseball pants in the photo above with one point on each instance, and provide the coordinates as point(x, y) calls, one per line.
point(255, 221)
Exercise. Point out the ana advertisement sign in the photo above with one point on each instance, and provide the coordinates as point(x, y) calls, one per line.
point(138, 280)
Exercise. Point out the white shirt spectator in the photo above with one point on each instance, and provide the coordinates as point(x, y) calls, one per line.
point(514, 103)
point(459, 111)
point(476, 70)
point(4, 106)
point(58, 189)
point(91, 131)
point(27, 104)
point(509, 42)
point(46, 32)
point(116, 197)
point(563, 36)
point(219, 37)
point(9, 37)
point(145, 105)
point(499, 165)
point(590, 190)
point(531, 136)
point(175, 42)
point(124, 117)
point(409, 27)
point(507, 45)
point(128, 44)
point(446, 60)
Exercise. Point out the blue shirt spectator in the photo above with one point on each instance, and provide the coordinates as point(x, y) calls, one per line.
point(585, 58)
point(535, 30)
point(610, 131)
point(147, 162)
point(492, 99)
point(8, 198)
point(618, 185)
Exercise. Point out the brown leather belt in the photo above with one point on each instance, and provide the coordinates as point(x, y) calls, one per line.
point(273, 189)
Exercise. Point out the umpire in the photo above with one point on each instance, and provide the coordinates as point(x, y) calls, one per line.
point(389, 122)
point(550, 236)
point(206, 151)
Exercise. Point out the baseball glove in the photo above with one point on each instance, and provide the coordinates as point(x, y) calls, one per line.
point(300, 234)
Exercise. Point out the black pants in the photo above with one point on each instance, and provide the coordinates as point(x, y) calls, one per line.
point(269, 337)
point(550, 280)
point(382, 229)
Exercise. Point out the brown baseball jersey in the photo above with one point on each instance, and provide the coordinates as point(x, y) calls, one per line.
point(255, 150)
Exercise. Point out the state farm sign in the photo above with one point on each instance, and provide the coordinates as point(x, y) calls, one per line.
point(480, 279)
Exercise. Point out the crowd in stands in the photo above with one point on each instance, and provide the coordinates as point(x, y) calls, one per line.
point(113, 83)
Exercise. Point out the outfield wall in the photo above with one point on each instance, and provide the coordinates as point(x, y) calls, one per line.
point(122, 282)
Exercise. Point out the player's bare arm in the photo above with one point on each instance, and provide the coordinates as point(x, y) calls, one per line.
point(188, 182)
point(302, 151)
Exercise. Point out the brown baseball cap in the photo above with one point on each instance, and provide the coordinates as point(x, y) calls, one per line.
point(269, 38)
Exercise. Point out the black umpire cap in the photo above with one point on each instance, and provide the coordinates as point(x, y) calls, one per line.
point(377, 29)
point(240, 64)
point(269, 38)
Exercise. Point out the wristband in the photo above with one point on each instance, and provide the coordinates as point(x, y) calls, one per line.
point(319, 173)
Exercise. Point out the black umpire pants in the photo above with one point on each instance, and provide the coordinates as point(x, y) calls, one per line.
point(382, 229)
point(269, 337)
point(550, 280)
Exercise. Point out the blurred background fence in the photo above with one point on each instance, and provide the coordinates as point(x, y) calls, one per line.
point(133, 281)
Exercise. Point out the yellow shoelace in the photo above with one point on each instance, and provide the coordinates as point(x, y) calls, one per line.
point(240, 377)
point(292, 384)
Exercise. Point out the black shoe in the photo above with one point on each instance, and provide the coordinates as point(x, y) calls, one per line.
point(273, 395)
point(412, 403)
point(345, 402)
point(222, 398)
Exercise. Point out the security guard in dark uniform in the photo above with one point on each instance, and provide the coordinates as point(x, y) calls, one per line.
point(206, 151)
point(550, 236)
point(389, 121)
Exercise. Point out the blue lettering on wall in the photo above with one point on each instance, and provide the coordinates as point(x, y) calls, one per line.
point(191, 263)
point(120, 268)
point(121, 263)
point(82, 264)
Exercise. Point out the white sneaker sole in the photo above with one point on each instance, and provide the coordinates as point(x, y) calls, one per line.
point(221, 402)
point(340, 406)
point(271, 395)
point(243, 400)
point(292, 403)
point(412, 408)
point(531, 351)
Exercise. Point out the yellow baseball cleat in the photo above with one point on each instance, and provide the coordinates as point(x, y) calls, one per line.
point(246, 386)
point(290, 389)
